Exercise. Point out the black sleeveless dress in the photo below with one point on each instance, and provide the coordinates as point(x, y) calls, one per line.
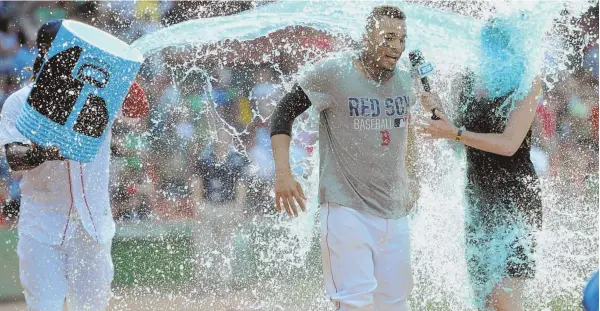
point(503, 202)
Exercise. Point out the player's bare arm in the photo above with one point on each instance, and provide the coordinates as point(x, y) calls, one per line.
point(287, 188)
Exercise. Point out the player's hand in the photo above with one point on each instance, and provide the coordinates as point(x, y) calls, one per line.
point(288, 189)
point(48, 154)
point(430, 101)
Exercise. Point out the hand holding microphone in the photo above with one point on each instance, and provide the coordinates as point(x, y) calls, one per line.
point(424, 69)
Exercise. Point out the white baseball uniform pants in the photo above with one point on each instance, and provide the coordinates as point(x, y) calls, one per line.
point(80, 271)
point(366, 260)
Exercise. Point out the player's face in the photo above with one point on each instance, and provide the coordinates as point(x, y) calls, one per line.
point(386, 42)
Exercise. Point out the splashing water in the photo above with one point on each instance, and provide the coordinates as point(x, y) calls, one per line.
point(568, 243)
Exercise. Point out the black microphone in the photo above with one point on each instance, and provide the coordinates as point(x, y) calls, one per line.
point(418, 62)
point(423, 68)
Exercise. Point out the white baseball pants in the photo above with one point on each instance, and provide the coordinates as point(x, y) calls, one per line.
point(79, 270)
point(366, 260)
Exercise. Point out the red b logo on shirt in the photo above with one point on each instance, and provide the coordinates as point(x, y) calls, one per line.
point(385, 138)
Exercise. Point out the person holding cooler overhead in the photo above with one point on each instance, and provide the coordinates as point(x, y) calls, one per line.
point(65, 223)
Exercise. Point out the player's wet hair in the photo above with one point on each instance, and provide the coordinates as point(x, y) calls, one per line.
point(384, 11)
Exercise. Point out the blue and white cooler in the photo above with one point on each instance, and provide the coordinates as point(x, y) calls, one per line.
point(78, 91)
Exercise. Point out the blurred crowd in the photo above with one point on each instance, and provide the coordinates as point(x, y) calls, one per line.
point(567, 123)
point(206, 144)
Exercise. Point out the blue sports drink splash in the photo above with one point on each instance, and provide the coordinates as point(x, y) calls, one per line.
point(509, 50)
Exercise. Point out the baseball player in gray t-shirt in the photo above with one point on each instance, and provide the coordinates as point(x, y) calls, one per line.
point(367, 166)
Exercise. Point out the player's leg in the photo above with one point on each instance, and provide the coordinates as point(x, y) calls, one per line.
point(393, 268)
point(42, 274)
point(89, 272)
point(346, 247)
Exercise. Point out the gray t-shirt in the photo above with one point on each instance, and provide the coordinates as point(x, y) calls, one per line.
point(362, 136)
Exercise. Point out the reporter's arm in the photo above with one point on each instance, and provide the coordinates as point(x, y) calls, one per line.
point(505, 143)
point(517, 126)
